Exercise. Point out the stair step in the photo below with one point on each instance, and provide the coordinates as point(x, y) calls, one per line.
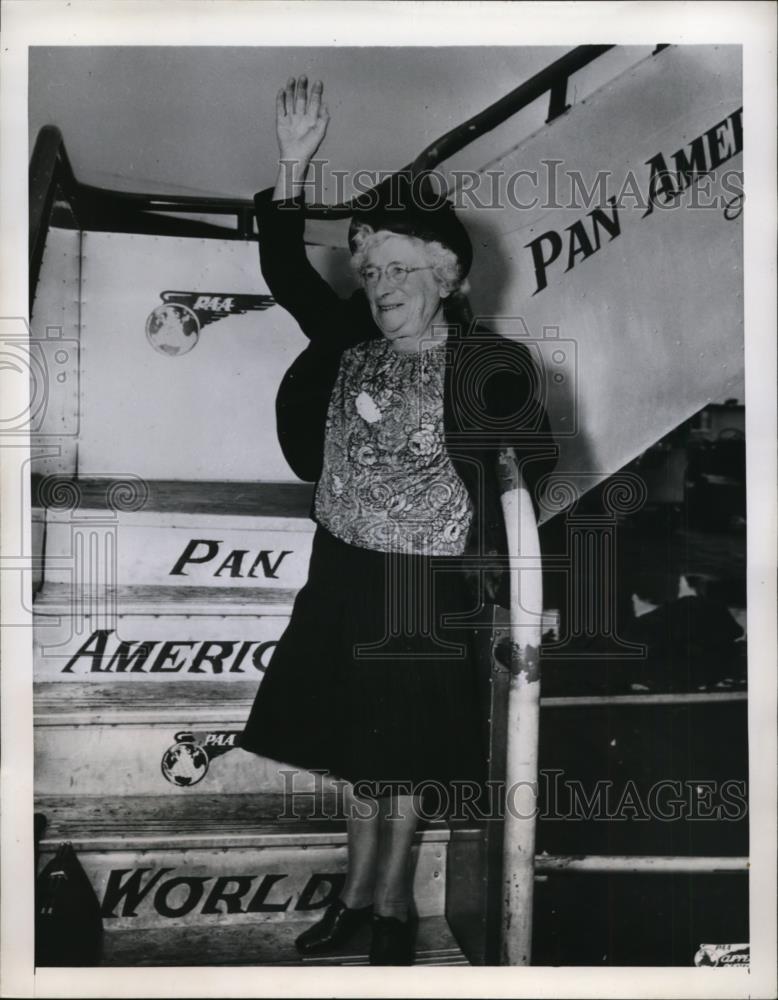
point(114, 738)
point(164, 760)
point(234, 646)
point(254, 499)
point(266, 944)
point(177, 740)
point(223, 862)
point(90, 600)
point(127, 702)
point(153, 548)
point(143, 823)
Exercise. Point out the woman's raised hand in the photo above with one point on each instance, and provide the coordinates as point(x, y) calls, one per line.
point(301, 120)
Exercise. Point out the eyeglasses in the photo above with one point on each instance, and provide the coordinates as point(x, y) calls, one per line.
point(395, 273)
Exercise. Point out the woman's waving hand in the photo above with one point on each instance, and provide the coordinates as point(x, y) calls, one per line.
point(301, 124)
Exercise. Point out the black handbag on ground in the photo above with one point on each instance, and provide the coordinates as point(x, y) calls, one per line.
point(68, 922)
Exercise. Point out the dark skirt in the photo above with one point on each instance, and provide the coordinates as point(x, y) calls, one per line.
point(369, 682)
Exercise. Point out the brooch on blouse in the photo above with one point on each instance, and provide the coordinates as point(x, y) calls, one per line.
point(367, 407)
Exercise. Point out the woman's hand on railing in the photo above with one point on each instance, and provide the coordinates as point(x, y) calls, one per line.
point(301, 123)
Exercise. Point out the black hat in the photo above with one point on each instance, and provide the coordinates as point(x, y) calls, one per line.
point(412, 207)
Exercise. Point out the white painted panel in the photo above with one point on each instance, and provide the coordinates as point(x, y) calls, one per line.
point(650, 326)
point(54, 335)
point(161, 889)
point(146, 758)
point(219, 648)
point(127, 760)
point(178, 551)
point(206, 414)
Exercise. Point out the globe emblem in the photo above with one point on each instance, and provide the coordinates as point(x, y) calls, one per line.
point(184, 764)
point(172, 329)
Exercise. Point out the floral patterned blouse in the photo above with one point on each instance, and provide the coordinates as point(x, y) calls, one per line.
point(387, 481)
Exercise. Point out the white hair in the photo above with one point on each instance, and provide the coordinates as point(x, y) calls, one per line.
point(444, 262)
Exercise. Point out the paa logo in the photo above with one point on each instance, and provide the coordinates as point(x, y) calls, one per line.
point(732, 955)
point(174, 327)
point(186, 762)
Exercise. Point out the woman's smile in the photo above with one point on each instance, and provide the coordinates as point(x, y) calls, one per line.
point(405, 311)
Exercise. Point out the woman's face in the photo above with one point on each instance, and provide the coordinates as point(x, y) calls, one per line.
point(403, 312)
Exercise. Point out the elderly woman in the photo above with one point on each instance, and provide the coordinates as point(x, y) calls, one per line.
point(396, 410)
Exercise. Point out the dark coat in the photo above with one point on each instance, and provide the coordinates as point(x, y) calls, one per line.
point(492, 392)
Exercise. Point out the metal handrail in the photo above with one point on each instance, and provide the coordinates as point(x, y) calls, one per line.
point(49, 168)
point(553, 80)
point(50, 173)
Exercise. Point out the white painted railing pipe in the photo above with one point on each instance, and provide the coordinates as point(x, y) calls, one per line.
point(639, 865)
point(680, 698)
point(523, 715)
point(521, 774)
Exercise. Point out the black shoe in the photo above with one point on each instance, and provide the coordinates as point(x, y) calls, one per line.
point(392, 942)
point(335, 928)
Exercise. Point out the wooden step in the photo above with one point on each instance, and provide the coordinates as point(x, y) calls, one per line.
point(266, 944)
point(125, 702)
point(125, 738)
point(253, 870)
point(63, 600)
point(254, 499)
point(138, 822)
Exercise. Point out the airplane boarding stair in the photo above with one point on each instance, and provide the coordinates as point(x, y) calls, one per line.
point(169, 538)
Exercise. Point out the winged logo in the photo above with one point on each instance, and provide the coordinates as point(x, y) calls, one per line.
point(211, 306)
point(173, 328)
